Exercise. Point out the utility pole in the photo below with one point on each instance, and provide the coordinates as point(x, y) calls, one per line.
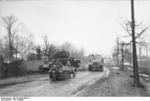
point(131, 54)
point(135, 63)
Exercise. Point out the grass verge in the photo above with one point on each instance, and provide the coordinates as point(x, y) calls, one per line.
point(119, 83)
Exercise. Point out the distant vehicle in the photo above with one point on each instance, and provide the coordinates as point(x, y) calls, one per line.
point(44, 68)
point(59, 71)
point(96, 66)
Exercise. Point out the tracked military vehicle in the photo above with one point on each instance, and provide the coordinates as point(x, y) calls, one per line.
point(61, 69)
point(44, 68)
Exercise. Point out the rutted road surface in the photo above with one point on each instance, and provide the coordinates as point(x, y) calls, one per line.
point(45, 87)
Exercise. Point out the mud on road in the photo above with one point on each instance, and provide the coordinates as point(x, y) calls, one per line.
point(45, 87)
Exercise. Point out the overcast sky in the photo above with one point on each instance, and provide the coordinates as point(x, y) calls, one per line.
point(89, 24)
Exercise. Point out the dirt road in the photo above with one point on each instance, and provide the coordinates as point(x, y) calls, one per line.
point(45, 87)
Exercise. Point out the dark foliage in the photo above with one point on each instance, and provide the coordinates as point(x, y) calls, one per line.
point(61, 54)
point(14, 68)
point(39, 53)
point(31, 56)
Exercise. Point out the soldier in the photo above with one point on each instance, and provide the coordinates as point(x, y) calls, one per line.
point(58, 63)
point(68, 63)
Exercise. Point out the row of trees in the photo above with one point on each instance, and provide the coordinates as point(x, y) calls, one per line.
point(128, 51)
point(124, 49)
point(18, 43)
point(50, 51)
point(18, 40)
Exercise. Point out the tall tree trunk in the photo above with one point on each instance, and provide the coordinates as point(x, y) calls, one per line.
point(17, 68)
point(135, 63)
point(122, 55)
point(117, 52)
point(140, 53)
point(10, 44)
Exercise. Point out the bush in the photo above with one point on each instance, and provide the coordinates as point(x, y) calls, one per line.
point(23, 69)
point(61, 54)
point(31, 56)
point(32, 65)
point(15, 68)
point(2, 68)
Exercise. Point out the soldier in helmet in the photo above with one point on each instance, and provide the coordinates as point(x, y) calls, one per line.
point(68, 63)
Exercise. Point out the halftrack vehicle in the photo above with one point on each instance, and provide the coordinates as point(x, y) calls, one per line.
point(61, 70)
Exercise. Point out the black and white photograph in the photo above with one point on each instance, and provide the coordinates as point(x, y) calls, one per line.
point(74, 48)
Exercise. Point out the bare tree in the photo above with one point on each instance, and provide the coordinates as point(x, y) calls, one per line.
point(137, 38)
point(51, 51)
point(17, 42)
point(116, 51)
point(121, 51)
point(1, 47)
point(68, 47)
point(147, 47)
point(23, 44)
point(10, 25)
point(124, 51)
point(38, 52)
point(46, 47)
point(74, 52)
point(135, 31)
